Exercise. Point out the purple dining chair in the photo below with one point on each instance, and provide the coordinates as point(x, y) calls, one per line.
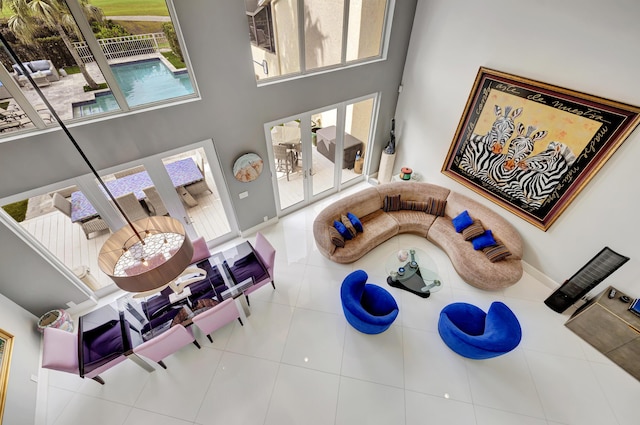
point(200, 250)
point(166, 343)
point(217, 317)
point(267, 254)
point(60, 352)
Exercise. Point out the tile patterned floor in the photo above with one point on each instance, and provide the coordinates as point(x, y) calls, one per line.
point(297, 361)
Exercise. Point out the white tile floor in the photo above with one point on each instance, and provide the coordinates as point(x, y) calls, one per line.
point(297, 361)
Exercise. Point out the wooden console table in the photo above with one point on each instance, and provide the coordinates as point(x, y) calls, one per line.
point(608, 325)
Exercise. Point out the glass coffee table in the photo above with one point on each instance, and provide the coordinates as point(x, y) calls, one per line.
point(413, 270)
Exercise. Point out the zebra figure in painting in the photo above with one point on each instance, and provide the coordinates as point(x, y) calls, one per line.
point(541, 173)
point(503, 167)
point(479, 149)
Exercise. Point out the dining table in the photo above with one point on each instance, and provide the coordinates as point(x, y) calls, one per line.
point(182, 172)
point(115, 329)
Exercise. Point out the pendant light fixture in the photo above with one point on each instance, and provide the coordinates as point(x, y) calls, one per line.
point(143, 255)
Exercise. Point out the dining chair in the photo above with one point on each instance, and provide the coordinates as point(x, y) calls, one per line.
point(132, 207)
point(60, 352)
point(217, 317)
point(166, 344)
point(94, 225)
point(154, 202)
point(267, 254)
point(283, 159)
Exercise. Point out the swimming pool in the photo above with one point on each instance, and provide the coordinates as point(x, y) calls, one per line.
point(141, 82)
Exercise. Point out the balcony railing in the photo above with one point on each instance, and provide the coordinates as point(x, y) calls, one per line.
point(120, 47)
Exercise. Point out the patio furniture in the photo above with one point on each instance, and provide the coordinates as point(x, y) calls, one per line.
point(369, 308)
point(198, 187)
point(217, 317)
point(132, 207)
point(154, 202)
point(43, 66)
point(327, 146)
point(474, 334)
point(166, 343)
point(267, 254)
point(181, 172)
point(283, 159)
point(94, 225)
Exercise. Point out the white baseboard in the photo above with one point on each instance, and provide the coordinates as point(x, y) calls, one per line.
point(546, 280)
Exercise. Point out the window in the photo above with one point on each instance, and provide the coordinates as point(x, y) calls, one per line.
point(87, 66)
point(293, 37)
point(261, 29)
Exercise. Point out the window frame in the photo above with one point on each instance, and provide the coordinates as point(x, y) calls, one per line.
point(100, 59)
point(344, 63)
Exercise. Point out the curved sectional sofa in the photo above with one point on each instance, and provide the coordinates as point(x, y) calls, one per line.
point(472, 265)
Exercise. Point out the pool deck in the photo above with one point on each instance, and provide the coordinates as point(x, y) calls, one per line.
point(70, 89)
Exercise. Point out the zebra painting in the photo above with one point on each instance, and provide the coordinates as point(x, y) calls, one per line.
point(541, 174)
point(503, 167)
point(480, 148)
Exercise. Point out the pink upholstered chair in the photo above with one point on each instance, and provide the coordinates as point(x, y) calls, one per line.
point(166, 343)
point(267, 254)
point(217, 317)
point(60, 352)
point(200, 250)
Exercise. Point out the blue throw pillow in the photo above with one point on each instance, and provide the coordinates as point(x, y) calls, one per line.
point(355, 221)
point(484, 240)
point(342, 229)
point(462, 221)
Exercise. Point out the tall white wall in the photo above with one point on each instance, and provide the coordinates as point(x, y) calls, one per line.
point(21, 391)
point(584, 45)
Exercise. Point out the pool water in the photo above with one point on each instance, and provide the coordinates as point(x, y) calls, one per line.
point(141, 82)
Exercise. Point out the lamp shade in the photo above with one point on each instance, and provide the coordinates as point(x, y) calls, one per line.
point(150, 259)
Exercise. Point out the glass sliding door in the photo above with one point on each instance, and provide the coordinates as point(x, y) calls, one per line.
point(70, 221)
point(317, 153)
point(357, 132)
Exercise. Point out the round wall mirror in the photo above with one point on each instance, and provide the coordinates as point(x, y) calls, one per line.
point(247, 167)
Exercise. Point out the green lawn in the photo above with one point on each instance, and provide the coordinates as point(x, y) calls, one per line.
point(132, 7)
point(122, 8)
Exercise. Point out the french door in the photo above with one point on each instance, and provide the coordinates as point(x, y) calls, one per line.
point(315, 154)
point(202, 205)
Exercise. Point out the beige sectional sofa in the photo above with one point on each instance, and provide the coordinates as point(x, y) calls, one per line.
point(379, 226)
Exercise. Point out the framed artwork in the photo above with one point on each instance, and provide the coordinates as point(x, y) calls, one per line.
point(6, 345)
point(531, 147)
point(247, 167)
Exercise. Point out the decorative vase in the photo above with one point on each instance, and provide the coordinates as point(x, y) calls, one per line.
point(59, 319)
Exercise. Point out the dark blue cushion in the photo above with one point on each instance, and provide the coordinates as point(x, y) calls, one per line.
point(484, 240)
point(462, 221)
point(355, 221)
point(369, 308)
point(474, 334)
point(342, 229)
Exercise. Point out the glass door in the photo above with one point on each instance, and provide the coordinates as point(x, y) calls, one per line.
point(317, 153)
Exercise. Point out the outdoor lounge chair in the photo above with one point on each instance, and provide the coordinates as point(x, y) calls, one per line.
point(154, 202)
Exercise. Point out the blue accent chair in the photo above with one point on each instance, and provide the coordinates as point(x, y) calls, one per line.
point(368, 308)
point(474, 334)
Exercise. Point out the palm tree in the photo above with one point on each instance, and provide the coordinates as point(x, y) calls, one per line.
point(28, 15)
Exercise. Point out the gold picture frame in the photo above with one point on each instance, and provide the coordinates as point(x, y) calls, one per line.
point(6, 346)
point(531, 147)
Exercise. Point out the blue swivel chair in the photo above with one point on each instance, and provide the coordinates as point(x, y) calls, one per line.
point(474, 334)
point(368, 308)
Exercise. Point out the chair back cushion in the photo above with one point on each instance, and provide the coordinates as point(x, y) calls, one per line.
point(217, 316)
point(60, 350)
point(368, 308)
point(200, 250)
point(166, 343)
point(266, 251)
